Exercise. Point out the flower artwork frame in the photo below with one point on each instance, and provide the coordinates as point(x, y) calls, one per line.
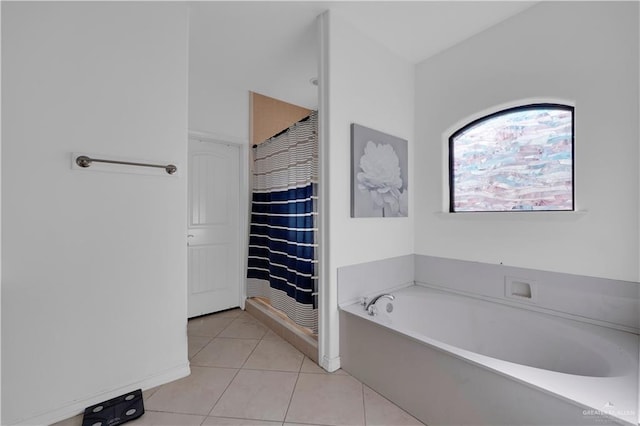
point(379, 174)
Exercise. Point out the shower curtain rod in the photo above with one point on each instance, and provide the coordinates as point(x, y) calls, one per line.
point(287, 129)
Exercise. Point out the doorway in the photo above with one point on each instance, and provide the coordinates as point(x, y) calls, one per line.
point(214, 226)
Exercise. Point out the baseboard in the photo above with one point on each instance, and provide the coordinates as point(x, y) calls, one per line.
point(77, 407)
point(330, 364)
point(285, 329)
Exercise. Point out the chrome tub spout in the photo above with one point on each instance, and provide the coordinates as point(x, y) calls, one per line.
point(369, 306)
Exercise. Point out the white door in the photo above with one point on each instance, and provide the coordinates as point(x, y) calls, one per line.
point(214, 234)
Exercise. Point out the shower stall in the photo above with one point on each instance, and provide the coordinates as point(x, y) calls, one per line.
point(282, 256)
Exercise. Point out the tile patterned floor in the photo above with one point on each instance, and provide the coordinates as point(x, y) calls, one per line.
point(244, 374)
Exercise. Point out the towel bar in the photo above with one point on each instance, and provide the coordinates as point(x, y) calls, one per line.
point(84, 161)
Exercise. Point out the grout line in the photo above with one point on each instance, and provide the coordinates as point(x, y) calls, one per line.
point(265, 369)
point(364, 405)
point(394, 404)
point(219, 368)
point(313, 424)
point(251, 353)
point(291, 399)
point(237, 338)
point(174, 412)
point(227, 326)
point(243, 418)
point(222, 393)
point(301, 364)
point(200, 335)
point(199, 350)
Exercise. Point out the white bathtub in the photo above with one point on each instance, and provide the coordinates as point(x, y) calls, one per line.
point(451, 359)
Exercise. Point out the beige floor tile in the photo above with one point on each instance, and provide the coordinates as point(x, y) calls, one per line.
point(195, 394)
point(275, 355)
point(246, 315)
point(225, 352)
point(210, 325)
point(71, 421)
point(257, 394)
point(154, 418)
point(327, 399)
point(196, 343)
point(309, 366)
point(300, 424)
point(271, 335)
point(231, 313)
point(147, 393)
point(379, 411)
point(244, 327)
point(227, 421)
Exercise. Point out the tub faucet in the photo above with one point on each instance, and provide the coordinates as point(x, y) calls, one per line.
point(370, 305)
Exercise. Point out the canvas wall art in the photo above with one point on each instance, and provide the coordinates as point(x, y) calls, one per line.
point(379, 174)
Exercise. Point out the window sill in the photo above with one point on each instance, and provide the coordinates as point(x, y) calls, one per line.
point(526, 216)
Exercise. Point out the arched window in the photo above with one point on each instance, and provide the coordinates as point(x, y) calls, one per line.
point(517, 159)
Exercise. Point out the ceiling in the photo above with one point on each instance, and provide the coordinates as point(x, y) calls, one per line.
point(271, 47)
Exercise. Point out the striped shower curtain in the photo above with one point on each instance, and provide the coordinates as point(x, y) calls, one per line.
point(282, 242)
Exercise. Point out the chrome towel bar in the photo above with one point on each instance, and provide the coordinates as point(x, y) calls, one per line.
point(84, 161)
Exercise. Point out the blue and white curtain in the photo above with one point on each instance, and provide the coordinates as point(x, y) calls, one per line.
point(282, 242)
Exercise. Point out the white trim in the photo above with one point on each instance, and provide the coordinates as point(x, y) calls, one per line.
point(499, 107)
point(528, 216)
point(330, 364)
point(78, 406)
point(328, 327)
point(1, 399)
point(245, 206)
point(483, 113)
point(219, 137)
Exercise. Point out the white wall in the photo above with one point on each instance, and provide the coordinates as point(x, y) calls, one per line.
point(216, 107)
point(586, 52)
point(94, 263)
point(371, 86)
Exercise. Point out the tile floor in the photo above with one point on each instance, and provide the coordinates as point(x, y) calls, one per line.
point(244, 374)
